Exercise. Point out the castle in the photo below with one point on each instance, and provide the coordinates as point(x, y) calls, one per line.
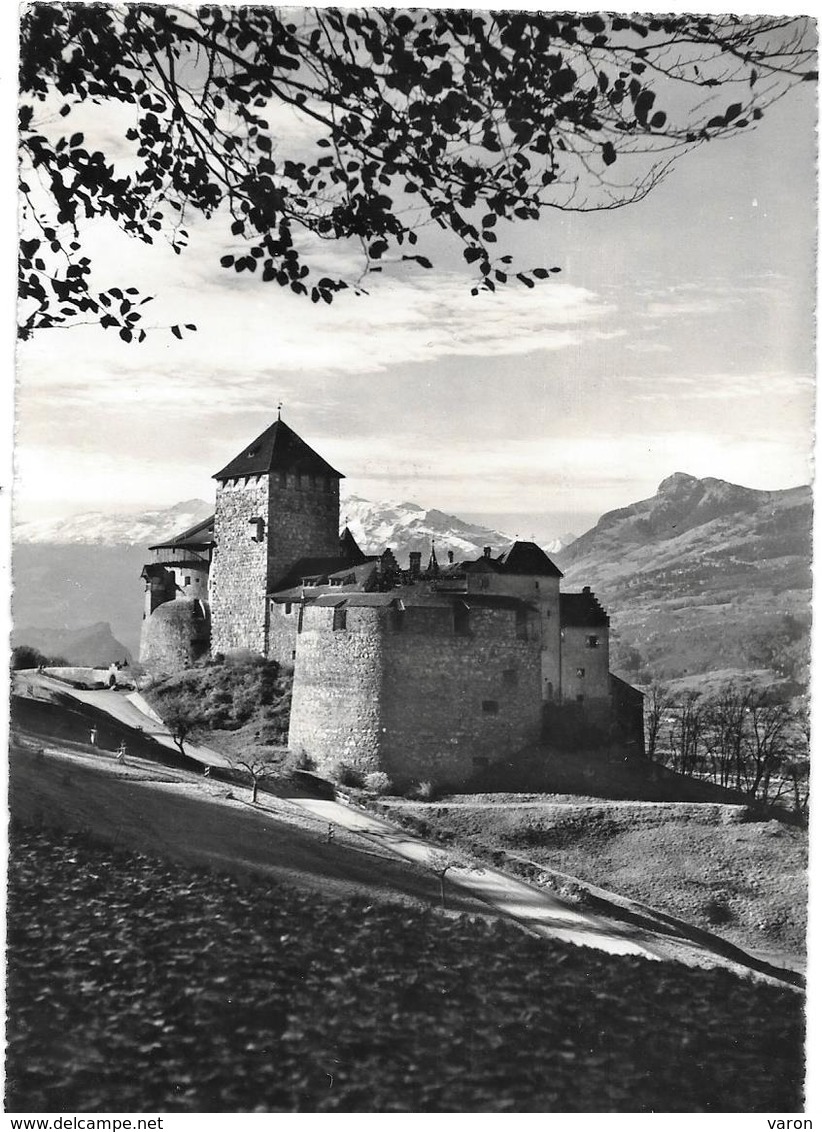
point(428, 674)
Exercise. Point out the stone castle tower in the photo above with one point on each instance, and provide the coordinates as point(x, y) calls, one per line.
point(278, 501)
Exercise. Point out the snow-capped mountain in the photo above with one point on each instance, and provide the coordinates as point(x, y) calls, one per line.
point(113, 529)
point(406, 526)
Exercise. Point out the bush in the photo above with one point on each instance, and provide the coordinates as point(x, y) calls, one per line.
point(427, 792)
point(378, 782)
point(717, 910)
point(346, 775)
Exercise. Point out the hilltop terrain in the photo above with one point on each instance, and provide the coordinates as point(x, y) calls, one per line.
point(705, 576)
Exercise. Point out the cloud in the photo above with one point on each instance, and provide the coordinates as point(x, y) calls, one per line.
point(253, 343)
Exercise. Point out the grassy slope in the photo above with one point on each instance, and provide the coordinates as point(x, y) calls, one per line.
point(746, 881)
point(193, 992)
point(190, 821)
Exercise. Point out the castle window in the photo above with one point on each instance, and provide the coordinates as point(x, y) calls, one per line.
point(592, 643)
point(462, 619)
point(340, 617)
point(580, 672)
point(490, 707)
point(300, 619)
point(258, 522)
point(522, 624)
point(509, 676)
point(187, 580)
point(287, 608)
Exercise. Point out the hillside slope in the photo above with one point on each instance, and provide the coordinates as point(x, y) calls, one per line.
point(704, 576)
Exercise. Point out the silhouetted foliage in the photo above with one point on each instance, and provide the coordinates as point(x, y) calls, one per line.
point(455, 118)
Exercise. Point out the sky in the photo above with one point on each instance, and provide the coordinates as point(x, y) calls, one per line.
point(678, 336)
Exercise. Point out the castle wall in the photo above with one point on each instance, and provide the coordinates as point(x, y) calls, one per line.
point(239, 568)
point(283, 618)
point(335, 706)
point(299, 518)
point(303, 521)
point(175, 635)
point(421, 702)
point(585, 669)
point(452, 704)
point(543, 593)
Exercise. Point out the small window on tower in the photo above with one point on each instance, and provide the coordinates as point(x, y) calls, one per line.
point(340, 618)
point(580, 672)
point(258, 524)
point(287, 607)
point(592, 643)
point(490, 707)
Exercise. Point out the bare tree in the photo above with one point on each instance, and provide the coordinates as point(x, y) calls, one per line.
point(766, 742)
point(259, 763)
point(686, 733)
point(726, 721)
point(657, 705)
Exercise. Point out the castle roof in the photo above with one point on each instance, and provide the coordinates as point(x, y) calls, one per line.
point(198, 537)
point(582, 611)
point(528, 558)
point(277, 449)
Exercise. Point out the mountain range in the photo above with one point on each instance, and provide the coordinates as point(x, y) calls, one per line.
point(703, 577)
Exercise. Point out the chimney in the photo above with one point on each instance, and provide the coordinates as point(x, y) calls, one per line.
point(450, 557)
point(486, 552)
point(415, 563)
point(586, 589)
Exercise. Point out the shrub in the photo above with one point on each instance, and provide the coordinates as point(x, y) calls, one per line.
point(427, 792)
point(378, 782)
point(346, 775)
point(717, 910)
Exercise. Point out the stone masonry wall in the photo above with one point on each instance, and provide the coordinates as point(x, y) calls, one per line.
point(335, 701)
point(238, 580)
point(303, 521)
point(453, 704)
point(577, 657)
point(175, 635)
point(282, 631)
point(421, 703)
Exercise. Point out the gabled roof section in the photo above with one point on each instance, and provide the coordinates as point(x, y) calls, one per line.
point(528, 558)
point(277, 449)
point(201, 535)
point(581, 610)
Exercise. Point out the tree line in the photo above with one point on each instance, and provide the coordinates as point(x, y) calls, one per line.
point(742, 739)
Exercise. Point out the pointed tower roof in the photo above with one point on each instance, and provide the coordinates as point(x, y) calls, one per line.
point(277, 449)
point(433, 565)
point(349, 547)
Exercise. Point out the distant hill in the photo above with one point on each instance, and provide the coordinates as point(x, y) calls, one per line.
point(90, 645)
point(704, 576)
